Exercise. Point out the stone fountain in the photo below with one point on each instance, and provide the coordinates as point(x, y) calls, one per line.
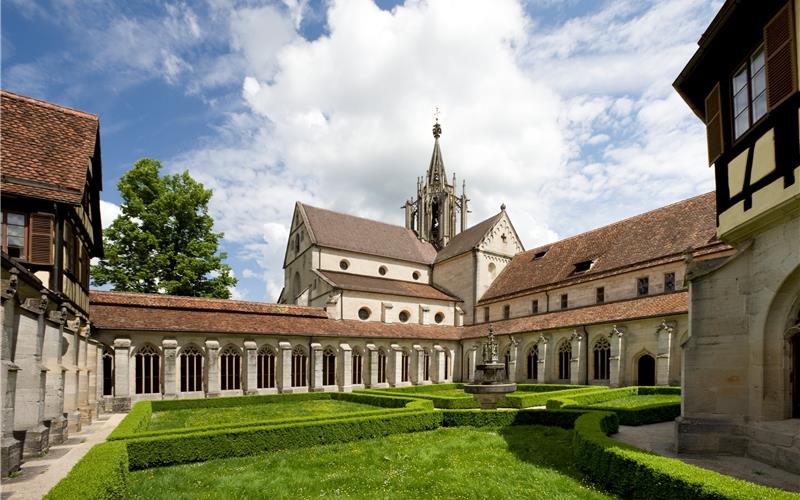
point(491, 381)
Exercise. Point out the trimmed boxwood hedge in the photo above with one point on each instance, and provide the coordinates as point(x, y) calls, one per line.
point(527, 398)
point(200, 446)
point(633, 473)
point(645, 414)
point(445, 402)
point(501, 418)
point(101, 474)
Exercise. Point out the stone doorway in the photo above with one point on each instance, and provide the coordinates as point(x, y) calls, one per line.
point(647, 370)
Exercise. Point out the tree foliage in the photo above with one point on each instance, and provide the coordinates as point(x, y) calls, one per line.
point(163, 240)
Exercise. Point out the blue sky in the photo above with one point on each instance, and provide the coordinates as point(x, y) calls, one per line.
point(562, 109)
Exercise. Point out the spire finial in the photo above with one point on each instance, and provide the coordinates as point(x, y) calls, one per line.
point(437, 129)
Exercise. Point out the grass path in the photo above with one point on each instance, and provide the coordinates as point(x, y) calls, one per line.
point(513, 462)
point(211, 416)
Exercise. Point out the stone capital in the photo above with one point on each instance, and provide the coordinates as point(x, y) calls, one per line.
point(345, 347)
point(370, 347)
point(250, 345)
point(417, 347)
point(122, 343)
point(285, 345)
point(437, 347)
point(316, 346)
point(395, 347)
point(169, 344)
point(212, 344)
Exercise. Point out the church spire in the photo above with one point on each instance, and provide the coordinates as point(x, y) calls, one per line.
point(436, 173)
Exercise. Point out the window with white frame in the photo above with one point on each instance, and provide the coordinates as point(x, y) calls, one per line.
point(749, 90)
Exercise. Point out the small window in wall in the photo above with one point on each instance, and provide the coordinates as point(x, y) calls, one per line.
point(749, 93)
point(14, 234)
point(364, 313)
point(534, 306)
point(669, 282)
point(564, 301)
point(486, 314)
point(642, 286)
point(382, 270)
point(506, 311)
point(415, 275)
point(404, 316)
point(439, 317)
point(344, 264)
point(601, 294)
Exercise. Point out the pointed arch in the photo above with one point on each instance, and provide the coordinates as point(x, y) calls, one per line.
point(564, 352)
point(601, 355)
point(191, 361)
point(265, 361)
point(381, 366)
point(532, 362)
point(299, 366)
point(230, 361)
point(357, 366)
point(148, 370)
point(329, 366)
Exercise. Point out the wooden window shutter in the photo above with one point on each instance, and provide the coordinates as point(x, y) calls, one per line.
point(780, 57)
point(714, 124)
point(41, 239)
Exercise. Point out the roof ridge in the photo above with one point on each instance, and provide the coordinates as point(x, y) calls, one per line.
point(354, 216)
point(46, 104)
point(212, 299)
point(615, 223)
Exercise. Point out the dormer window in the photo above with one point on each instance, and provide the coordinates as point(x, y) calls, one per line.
point(583, 266)
point(539, 255)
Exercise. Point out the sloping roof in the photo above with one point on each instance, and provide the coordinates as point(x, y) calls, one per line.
point(45, 149)
point(624, 310)
point(348, 232)
point(662, 233)
point(187, 314)
point(347, 281)
point(469, 239)
point(153, 300)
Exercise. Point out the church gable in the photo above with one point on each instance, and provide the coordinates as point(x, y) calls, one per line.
point(502, 238)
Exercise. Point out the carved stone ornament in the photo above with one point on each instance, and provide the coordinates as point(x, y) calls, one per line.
point(10, 290)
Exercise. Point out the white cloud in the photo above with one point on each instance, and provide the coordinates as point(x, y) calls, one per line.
point(108, 212)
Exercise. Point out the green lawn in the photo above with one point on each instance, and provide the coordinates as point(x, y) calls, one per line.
point(513, 462)
point(637, 401)
point(177, 419)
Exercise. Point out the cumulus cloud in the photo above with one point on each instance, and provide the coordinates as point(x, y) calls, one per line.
point(108, 212)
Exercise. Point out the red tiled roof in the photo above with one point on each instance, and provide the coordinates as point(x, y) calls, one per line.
point(623, 310)
point(45, 149)
point(347, 281)
point(171, 314)
point(154, 300)
point(467, 240)
point(356, 234)
point(662, 233)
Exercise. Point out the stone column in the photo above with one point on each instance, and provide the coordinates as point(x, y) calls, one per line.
point(459, 316)
point(91, 362)
point(316, 367)
point(616, 358)
point(345, 368)
point(417, 368)
point(250, 377)
point(472, 362)
point(212, 363)
point(512, 360)
point(170, 378)
point(664, 336)
point(122, 384)
point(83, 364)
point(424, 315)
point(11, 448)
point(100, 377)
point(284, 377)
point(577, 368)
point(437, 370)
point(372, 360)
point(395, 366)
point(541, 372)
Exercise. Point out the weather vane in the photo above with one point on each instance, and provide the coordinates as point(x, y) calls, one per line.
point(436, 114)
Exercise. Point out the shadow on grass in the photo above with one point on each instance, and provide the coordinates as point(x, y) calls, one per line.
point(543, 446)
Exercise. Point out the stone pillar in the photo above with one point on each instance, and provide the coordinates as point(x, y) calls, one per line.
point(617, 356)
point(541, 371)
point(664, 336)
point(372, 360)
point(212, 363)
point(250, 377)
point(10, 448)
point(56, 378)
point(316, 367)
point(386, 312)
point(284, 377)
point(417, 368)
point(472, 362)
point(424, 315)
point(91, 362)
point(122, 372)
point(99, 377)
point(345, 368)
point(512, 360)
point(169, 349)
point(437, 368)
point(577, 368)
point(83, 380)
point(395, 366)
point(459, 316)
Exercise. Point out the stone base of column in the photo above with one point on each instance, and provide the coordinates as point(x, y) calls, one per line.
point(10, 455)
point(294, 390)
point(35, 441)
point(59, 430)
point(403, 384)
point(213, 394)
point(121, 404)
point(382, 385)
point(346, 388)
point(87, 415)
point(425, 382)
point(74, 421)
point(317, 389)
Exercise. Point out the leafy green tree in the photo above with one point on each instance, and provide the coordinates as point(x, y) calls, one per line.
point(163, 241)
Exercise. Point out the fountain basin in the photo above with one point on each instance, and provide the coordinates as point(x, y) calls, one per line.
point(488, 395)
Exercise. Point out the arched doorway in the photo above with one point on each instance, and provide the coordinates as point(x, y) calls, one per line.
point(647, 370)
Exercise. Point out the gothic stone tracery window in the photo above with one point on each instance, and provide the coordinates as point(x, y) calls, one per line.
point(230, 361)
point(265, 368)
point(299, 364)
point(148, 370)
point(564, 356)
point(108, 371)
point(426, 375)
point(533, 363)
point(602, 359)
point(405, 360)
point(191, 359)
point(356, 371)
point(381, 366)
point(329, 366)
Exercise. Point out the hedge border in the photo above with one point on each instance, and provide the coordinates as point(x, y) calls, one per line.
point(642, 415)
point(501, 418)
point(634, 473)
point(101, 474)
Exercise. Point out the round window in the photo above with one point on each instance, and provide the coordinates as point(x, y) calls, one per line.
point(343, 264)
point(364, 313)
point(439, 317)
point(415, 275)
point(382, 270)
point(403, 316)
